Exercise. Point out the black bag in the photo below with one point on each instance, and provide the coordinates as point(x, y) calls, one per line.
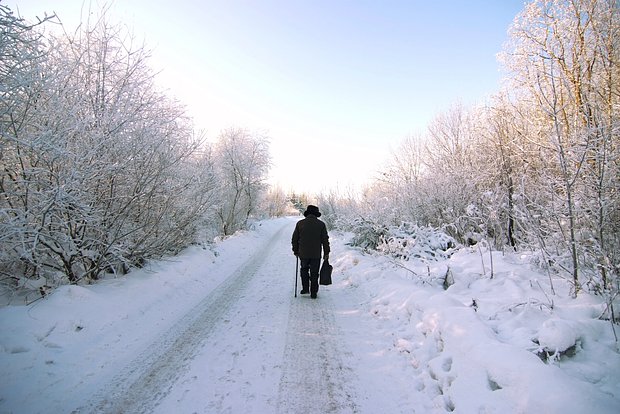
point(325, 275)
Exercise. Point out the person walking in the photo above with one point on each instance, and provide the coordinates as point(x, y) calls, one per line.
point(309, 238)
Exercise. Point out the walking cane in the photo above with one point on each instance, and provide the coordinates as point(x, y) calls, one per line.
point(296, 277)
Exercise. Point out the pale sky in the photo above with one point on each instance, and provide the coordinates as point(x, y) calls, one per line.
point(336, 85)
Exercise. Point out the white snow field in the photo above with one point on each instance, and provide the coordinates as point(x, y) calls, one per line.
point(220, 331)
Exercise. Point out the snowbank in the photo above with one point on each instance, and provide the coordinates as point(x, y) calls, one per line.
point(505, 344)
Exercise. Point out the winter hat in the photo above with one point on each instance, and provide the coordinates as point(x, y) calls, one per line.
point(314, 210)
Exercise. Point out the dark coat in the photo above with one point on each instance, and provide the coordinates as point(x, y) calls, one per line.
point(309, 236)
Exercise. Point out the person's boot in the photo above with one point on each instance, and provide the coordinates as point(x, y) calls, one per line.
point(313, 295)
point(304, 292)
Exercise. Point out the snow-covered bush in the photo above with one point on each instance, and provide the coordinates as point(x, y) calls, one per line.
point(405, 241)
point(409, 241)
point(368, 235)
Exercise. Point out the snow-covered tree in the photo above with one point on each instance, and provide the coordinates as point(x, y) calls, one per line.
point(563, 57)
point(537, 166)
point(23, 53)
point(242, 163)
point(101, 170)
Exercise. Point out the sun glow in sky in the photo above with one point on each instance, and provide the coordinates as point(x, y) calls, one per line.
point(335, 84)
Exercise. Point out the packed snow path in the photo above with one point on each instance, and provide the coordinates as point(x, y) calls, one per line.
point(314, 378)
point(250, 346)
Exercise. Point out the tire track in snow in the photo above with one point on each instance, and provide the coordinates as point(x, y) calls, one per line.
point(314, 378)
point(150, 377)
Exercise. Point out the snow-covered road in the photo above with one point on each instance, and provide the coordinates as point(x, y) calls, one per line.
point(250, 346)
